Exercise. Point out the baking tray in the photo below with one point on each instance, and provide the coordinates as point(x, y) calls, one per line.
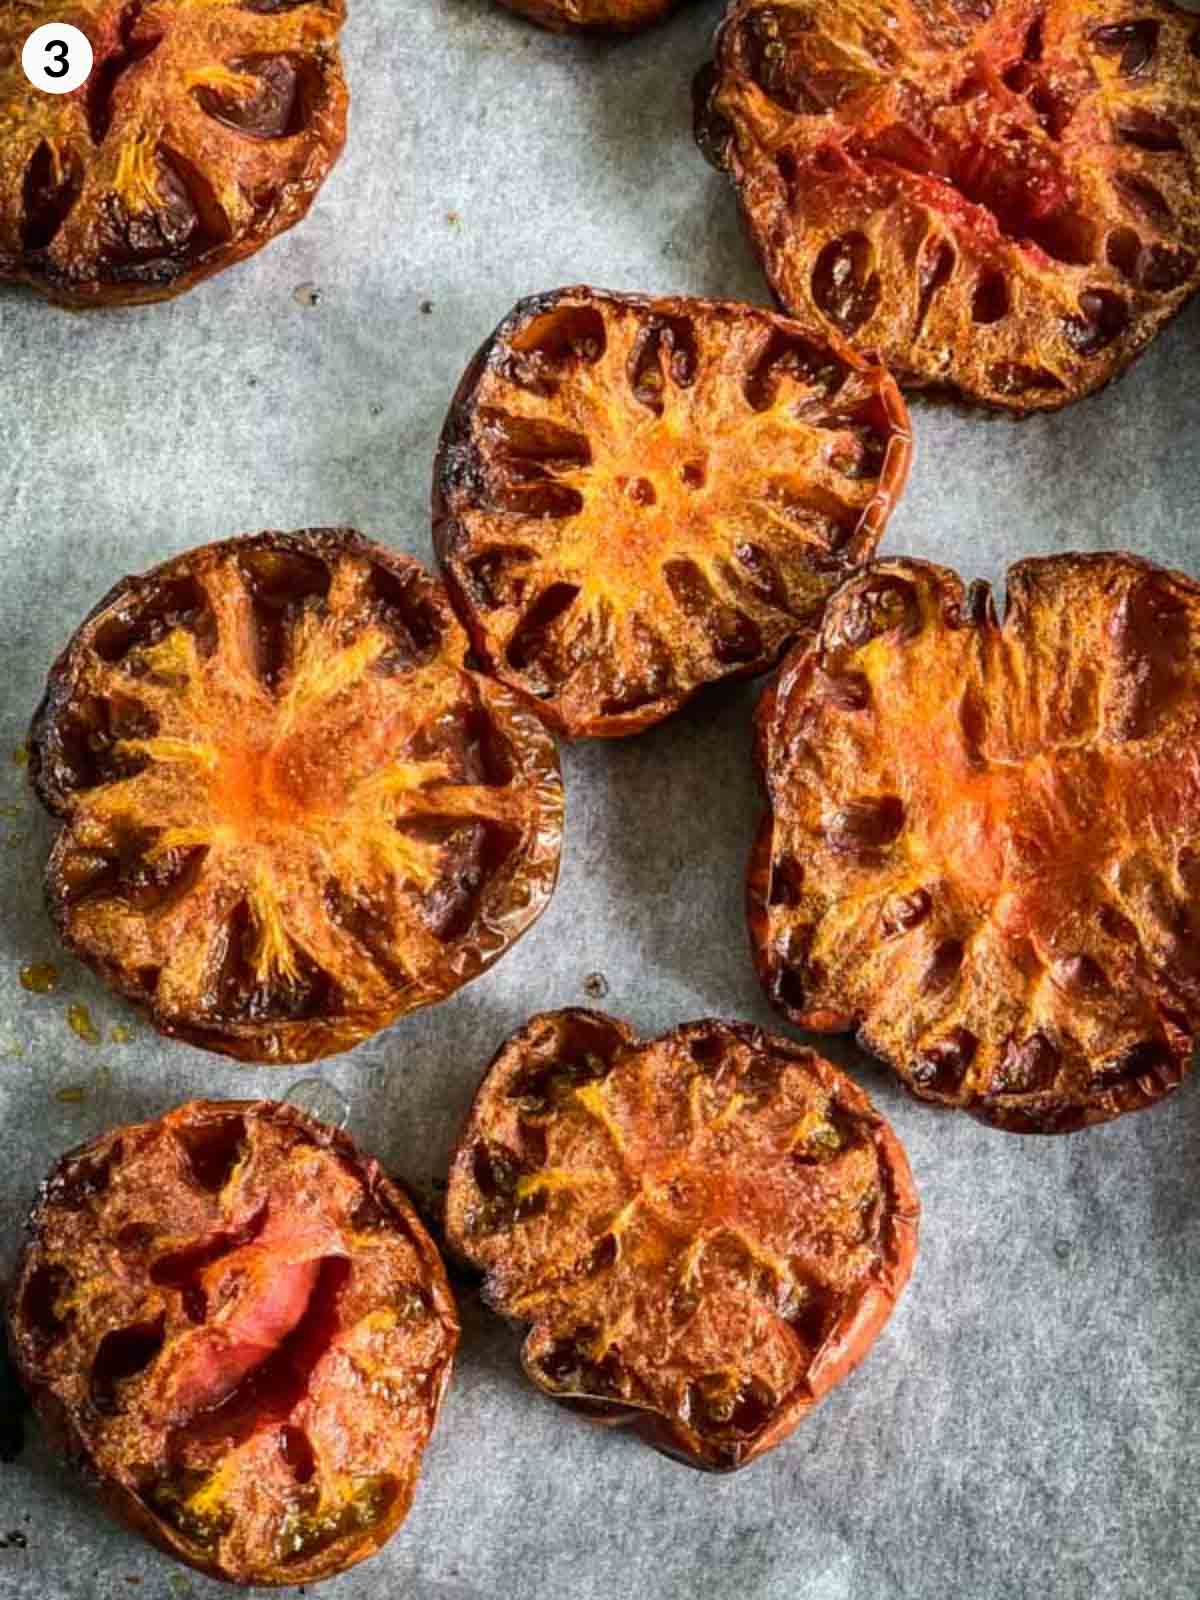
point(1027, 1424)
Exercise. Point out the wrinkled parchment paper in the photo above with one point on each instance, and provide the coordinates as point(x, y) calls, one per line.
point(1028, 1423)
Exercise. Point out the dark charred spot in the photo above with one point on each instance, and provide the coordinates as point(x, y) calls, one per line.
point(1103, 317)
point(768, 40)
point(1081, 974)
point(570, 1368)
point(787, 881)
point(904, 912)
point(1029, 1066)
point(1117, 925)
point(866, 825)
point(1150, 1058)
point(847, 691)
point(1014, 378)
point(544, 349)
point(1133, 43)
point(723, 1406)
point(991, 301)
point(941, 1066)
point(45, 1288)
point(122, 1355)
point(788, 360)
point(213, 1147)
point(845, 286)
point(943, 967)
point(878, 604)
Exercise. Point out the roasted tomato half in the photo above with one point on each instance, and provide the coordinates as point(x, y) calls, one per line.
point(999, 197)
point(290, 812)
point(205, 128)
point(593, 16)
point(633, 497)
point(239, 1330)
point(706, 1232)
point(980, 849)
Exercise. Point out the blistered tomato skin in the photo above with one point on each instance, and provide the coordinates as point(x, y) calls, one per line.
point(703, 1233)
point(1000, 199)
point(634, 498)
point(237, 1327)
point(203, 131)
point(290, 811)
point(979, 847)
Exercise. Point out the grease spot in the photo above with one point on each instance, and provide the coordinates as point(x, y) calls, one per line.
point(39, 977)
point(79, 1020)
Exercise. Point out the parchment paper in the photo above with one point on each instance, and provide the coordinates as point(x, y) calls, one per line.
point(1027, 1425)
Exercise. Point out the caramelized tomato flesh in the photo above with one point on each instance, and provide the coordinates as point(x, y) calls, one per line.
point(1001, 199)
point(290, 811)
point(982, 859)
point(242, 1327)
point(202, 132)
point(634, 498)
point(703, 1232)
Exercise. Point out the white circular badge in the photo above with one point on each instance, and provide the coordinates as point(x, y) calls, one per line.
point(57, 58)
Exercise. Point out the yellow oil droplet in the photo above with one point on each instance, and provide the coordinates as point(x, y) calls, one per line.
point(80, 1020)
point(21, 755)
point(39, 977)
point(73, 1095)
point(119, 1033)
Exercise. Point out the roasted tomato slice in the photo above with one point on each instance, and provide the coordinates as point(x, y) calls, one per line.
point(593, 16)
point(238, 1327)
point(203, 131)
point(980, 849)
point(633, 498)
point(291, 814)
point(1000, 197)
point(706, 1232)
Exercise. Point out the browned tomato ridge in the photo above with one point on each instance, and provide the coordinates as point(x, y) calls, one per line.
point(706, 1232)
point(205, 128)
point(633, 498)
point(980, 845)
point(997, 197)
point(237, 1327)
point(593, 16)
point(291, 814)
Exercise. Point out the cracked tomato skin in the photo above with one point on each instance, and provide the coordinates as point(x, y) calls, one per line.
point(238, 1329)
point(205, 128)
point(290, 812)
point(593, 16)
point(704, 1232)
point(633, 498)
point(979, 849)
point(998, 197)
